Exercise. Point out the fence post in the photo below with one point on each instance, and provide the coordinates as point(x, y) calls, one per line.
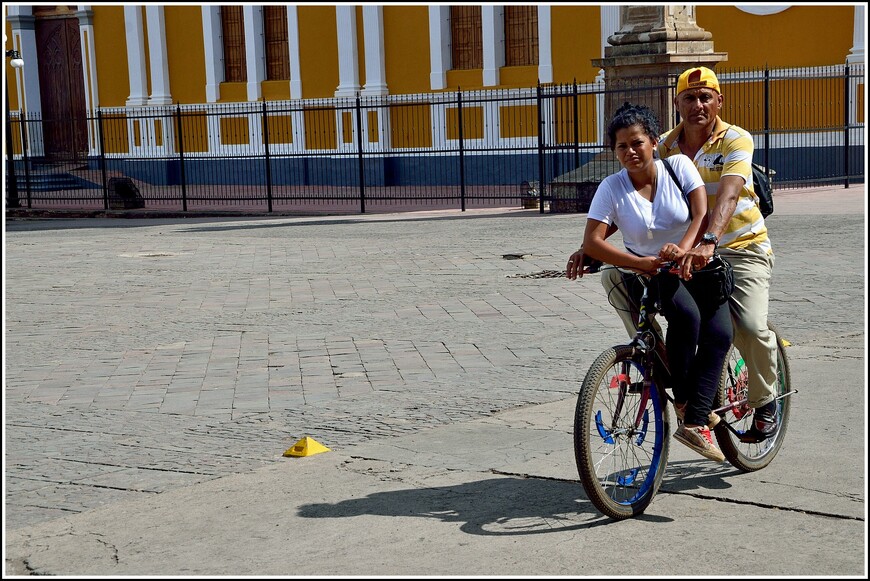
point(27, 184)
point(101, 132)
point(359, 145)
point(541, 183)
point(268, 161)
point(180, 134)
point(767, 121)
point(847, 111)
point(461, 152)
point(576, 129)
point(12, 184)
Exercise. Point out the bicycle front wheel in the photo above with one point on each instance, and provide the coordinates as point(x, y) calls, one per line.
point(733, 388)
point(620, 436)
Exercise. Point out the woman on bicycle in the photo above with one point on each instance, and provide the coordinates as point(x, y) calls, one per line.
point(658, 226)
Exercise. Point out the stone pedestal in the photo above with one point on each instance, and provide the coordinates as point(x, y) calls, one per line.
point(573, 191)
point(653, 46)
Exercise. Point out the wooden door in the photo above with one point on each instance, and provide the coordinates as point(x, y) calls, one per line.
point(62, 88)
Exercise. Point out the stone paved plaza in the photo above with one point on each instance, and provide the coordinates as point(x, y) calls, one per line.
point(144, 355)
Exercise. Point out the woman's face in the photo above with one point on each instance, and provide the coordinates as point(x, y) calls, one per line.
point(634, 148)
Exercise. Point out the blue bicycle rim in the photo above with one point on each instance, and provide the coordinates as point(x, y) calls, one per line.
point(655, 462)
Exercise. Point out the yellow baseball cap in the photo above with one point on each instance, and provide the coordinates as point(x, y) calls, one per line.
point(698, 78)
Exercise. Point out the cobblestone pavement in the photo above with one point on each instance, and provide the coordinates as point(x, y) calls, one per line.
point(143, 355)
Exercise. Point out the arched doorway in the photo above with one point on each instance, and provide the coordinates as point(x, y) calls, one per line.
point(61, 82)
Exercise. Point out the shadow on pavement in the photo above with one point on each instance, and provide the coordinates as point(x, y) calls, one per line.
point(513, 506)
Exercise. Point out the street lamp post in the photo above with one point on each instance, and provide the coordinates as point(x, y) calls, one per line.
point(17, 62)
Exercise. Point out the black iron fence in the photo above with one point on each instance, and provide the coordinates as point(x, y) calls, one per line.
point(539, 147)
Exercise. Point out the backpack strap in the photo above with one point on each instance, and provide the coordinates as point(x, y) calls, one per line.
point(674, 177)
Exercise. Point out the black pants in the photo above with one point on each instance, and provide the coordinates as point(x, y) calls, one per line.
point(698, 337)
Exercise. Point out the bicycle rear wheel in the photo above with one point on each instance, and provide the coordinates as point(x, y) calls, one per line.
point(734, 387)
point(621, 464)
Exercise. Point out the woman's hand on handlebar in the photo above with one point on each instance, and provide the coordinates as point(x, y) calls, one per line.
point(671, 252)
point(648, 265)
point(672, 255)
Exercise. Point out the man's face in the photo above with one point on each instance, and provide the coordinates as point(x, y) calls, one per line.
point(698, 107)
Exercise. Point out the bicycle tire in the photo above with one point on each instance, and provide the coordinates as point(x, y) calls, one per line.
point(733, 386)
point(620, 472)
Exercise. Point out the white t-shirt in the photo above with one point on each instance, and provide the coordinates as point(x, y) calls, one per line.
point(667, 217)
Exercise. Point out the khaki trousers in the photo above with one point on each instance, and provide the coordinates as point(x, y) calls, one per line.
point(749, 311)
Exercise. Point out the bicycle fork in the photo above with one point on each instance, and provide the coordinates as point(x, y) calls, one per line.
point(626, 387)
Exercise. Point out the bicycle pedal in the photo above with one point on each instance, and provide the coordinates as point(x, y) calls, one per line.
point(636, 387)
point(753, 436)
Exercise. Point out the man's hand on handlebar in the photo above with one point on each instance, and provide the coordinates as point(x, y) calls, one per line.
point(695, 259)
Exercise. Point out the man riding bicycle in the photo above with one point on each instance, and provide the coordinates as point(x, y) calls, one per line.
point(723, 155)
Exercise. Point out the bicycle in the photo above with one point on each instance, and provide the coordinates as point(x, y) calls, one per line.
point(622, 423)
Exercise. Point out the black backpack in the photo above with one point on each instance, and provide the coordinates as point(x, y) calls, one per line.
point(763, 189)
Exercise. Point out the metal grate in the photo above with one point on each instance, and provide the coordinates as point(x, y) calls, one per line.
point(277, 51)
point(521, 35)
point(233, 33)
point(467, 37)
point(541, 274)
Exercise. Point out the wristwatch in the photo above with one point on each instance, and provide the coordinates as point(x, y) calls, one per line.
point(710, 238)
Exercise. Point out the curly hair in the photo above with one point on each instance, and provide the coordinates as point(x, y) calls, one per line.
point(629, 115)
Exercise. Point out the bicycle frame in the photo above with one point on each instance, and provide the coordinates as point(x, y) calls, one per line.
point(649, 344)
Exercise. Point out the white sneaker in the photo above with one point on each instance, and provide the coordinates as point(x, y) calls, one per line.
point(698, 438)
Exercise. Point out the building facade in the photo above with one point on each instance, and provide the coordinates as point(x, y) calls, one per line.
point(131, 55)
point(220, 64)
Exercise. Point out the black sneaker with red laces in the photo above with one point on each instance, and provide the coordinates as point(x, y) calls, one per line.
point(765, 419)
point(763, 424)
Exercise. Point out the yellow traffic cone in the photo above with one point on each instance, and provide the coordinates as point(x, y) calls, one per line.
point(306, 447)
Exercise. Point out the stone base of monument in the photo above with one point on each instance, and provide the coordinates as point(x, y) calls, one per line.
point(573, 191)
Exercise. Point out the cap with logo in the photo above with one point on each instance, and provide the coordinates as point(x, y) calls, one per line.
point(697, 78)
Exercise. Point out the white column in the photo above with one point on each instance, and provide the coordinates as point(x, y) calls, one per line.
point(492, 20)
point(24, 41)
point(373, 31)
point(160, 94)
point(348, 66)
point(440, 59)
point(545, 50)
point(28, 76)
point(609, 27)
point(89, 61)
point(135, 56)
point(254, 50)
point(89, 71)
point(29, 100)
point(856, 55)
point(212, 34)
point(293, 49)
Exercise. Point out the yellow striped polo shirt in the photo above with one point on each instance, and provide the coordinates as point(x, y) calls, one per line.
point(727, 152)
